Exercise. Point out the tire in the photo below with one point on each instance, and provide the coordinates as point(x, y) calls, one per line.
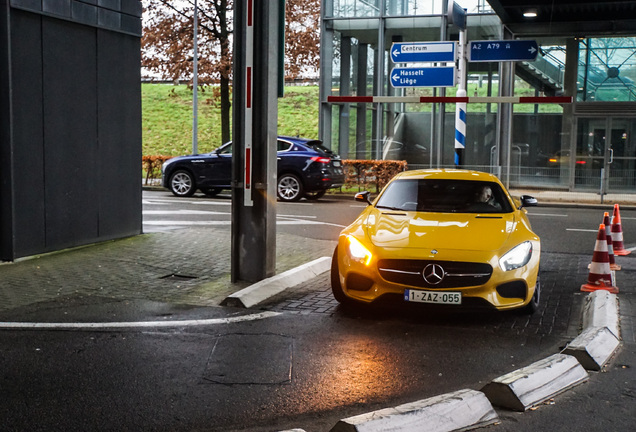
point(212, 192)
point(182, 184)
point(336, 287)
point(315, 195)
point(533, 306)
point(290, 188)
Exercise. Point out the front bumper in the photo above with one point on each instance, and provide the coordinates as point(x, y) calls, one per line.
point(500, 289)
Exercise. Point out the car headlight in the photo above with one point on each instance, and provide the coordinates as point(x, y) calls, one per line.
point(516, 257)
point(358, 252)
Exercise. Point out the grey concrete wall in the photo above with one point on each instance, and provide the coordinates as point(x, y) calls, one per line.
point(70, 128)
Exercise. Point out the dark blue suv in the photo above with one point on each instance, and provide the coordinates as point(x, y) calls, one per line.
point(305, 169)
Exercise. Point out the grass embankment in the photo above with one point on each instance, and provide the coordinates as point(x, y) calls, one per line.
point(167, 117)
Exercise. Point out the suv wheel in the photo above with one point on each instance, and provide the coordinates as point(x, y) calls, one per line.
point(182, 184)
point(290, 188)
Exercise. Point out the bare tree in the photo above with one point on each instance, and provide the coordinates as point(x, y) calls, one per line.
point(167, 43)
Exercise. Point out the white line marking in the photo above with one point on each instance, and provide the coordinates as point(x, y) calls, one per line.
point(302, 222)
point(220, 222)
point(297, 216)
point(581, 230)
point(179, 201)
point(185, 223)
point(139, 324)
point(183, 212)
point(632, 249)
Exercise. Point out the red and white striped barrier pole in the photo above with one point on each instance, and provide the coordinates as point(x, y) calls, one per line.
point(452, 99)
point(249, 86)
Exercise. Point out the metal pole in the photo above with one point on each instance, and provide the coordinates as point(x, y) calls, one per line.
point(195, 84)
point(380, 80)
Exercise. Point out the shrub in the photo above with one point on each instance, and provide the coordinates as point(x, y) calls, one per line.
point(363, 173)
point(151, 166)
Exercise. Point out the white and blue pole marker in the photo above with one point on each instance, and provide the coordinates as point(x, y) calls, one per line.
point(460, 107)
point(460, 129)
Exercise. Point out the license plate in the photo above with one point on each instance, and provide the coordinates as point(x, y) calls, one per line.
point(336, 163)
point(443, 297)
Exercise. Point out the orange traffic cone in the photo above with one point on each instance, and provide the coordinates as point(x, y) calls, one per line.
point(600, 276)
point(617, 234)
point(610, 243)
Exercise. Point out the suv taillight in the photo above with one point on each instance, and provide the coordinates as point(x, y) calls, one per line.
point(321, 159)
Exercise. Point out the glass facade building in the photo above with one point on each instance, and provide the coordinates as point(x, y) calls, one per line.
point(586, 145)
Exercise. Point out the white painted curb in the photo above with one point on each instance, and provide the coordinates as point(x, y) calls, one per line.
point(529, 386)
point(261, 291)
point(601, 310)
point(593, 347)
point(459, 410)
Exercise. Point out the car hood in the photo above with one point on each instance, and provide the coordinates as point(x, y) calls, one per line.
point(464, 231)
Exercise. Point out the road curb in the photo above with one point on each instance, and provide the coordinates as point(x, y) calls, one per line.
point(460, 410)
point(600, 337)
point(601, 310)
point(593, 347)
point(263, 290)
point(534, 384)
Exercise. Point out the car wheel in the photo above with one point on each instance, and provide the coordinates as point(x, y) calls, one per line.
point(182, 184)
point(336, 286)
point(212, 192)
point(290, 188)
point(315, 195)
point(532, 307)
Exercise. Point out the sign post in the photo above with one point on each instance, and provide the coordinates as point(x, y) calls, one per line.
point(503, 50)
point(409, 52)
point(423, 77)
point(457, 16)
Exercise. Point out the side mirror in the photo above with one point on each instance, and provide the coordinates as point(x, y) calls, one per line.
point(363, 197)
point(528, 201)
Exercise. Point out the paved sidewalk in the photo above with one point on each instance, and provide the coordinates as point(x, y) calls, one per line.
point(186, 266)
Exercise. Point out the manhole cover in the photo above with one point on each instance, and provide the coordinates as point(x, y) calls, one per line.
point(250, 359)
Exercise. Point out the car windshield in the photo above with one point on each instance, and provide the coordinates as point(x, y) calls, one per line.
point(453, 196)
point(225, 149)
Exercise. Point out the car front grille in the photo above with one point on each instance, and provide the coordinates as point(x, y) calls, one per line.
point(434, 274)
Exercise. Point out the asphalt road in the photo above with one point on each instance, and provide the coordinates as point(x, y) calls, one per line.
point(562, 229)
point(310, 362)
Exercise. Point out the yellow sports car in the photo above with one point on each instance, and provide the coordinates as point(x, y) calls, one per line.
point(452, 237)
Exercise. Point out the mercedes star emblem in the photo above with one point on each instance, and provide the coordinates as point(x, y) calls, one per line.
point(433, 274)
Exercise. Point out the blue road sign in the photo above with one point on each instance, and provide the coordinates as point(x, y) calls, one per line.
point(504, 50)
point(405, 52)
point(423, 77)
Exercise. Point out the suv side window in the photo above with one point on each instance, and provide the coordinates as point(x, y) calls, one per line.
point(284, 146)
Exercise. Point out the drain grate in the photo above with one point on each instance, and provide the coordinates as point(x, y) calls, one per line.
point(178, 277)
